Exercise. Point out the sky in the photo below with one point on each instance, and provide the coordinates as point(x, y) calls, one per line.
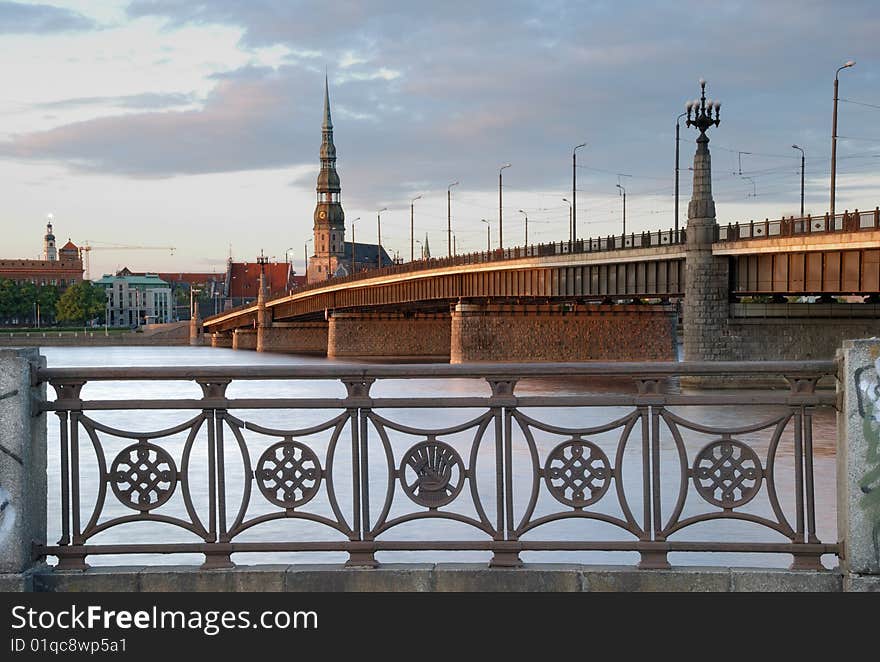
point(196, 125)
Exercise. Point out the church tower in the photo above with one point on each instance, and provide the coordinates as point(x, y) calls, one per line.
point(49, 252)
point(329, 227)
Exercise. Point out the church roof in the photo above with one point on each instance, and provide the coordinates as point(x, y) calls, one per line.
point(366, 253)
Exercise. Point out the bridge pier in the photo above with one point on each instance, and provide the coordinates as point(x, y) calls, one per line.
point(392, 335)
point(293, 337)
point(221, 340)
point(562, 332)
point(244, 339)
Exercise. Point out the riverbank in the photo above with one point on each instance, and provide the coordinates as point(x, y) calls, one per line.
point(163, 335)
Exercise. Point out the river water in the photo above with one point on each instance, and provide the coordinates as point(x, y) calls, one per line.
point(437, 529)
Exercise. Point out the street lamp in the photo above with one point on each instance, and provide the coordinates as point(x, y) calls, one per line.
point(500, 227)
point(488, 235)
point(570, 217)
point(527, 227)
point(379, 235)
point(353, 247)
point(803, 159)
point(574, 190)
point(449, 250)
point(834, 137)
point(754, 193)
point(677, 140)
point(623, 193)
point(412, 207)
point(421, 249)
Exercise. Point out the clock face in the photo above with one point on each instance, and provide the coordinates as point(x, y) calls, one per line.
point(322, 214)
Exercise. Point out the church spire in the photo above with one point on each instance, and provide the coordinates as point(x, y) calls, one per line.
point(328, 124)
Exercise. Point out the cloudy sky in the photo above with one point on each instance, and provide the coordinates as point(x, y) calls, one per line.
point(197, 124)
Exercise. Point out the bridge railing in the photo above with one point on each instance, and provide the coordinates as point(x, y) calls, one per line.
point(853, 221)
point(321, 459)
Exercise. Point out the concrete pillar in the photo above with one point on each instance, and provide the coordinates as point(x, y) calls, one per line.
point(244, 339)
point(22, 465)
point(562, 332)
point(858, 464)
point(706, 306)
point(394, 335)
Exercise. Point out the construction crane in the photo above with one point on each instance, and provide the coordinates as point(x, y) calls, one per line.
point(86, 249)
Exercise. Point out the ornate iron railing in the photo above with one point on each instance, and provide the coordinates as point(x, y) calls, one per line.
point(358, 468)
point(848, 221)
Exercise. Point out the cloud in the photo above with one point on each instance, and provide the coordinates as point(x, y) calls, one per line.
point(445, 91)
point(18, 18)
point(146, 100)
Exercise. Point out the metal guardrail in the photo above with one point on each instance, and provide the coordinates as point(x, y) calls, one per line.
point(854, 221)
point(295, 473)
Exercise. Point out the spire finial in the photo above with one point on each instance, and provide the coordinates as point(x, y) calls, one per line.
point(328, 124)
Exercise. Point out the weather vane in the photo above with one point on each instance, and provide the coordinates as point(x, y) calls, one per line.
point(702, 110)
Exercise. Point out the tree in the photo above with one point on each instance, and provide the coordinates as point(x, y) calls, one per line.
point(82, 302)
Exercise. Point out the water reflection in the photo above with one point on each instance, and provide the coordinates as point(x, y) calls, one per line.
point(524, 480)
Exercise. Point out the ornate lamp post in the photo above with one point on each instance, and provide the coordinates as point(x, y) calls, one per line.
point(702, 205)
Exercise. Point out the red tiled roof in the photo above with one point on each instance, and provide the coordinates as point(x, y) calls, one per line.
point(245, 281)
point(69, 246)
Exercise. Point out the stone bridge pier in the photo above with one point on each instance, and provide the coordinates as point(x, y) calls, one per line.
point(562, 332)
point(389, 335)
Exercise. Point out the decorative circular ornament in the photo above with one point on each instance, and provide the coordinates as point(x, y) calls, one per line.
point(288, 474)
point(574, 468)
point(143, 476)
point(322, 214)
point(727, 473)
point(432, 473)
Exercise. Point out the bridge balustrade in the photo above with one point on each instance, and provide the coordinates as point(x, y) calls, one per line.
point(635, 470)
point(854, 221)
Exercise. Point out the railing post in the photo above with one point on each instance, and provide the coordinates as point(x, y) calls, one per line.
point(858, 463)
point(877, 217)
point(22, 465)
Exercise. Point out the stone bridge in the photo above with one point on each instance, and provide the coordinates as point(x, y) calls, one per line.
point(610, 298)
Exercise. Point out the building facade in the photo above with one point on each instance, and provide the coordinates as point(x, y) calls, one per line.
point(58, 267)
point(135, 300)
point(333, 255)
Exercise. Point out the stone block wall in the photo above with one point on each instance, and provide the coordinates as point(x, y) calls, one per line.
point(793, 339)
point(244, 339)
point(551, 333)
point(364, 335)
point(296, 338)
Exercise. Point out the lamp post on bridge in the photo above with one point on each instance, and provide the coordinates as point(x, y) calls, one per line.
point(623, 193)
point(449, 250)
point(488, 235)
point(353, 247)
point(527, 227)
point(677, 141)
point(834, 137)
point(412, 207)
point(574, 191)
point(500, 226)
point(803, 160)
point(379, 235)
